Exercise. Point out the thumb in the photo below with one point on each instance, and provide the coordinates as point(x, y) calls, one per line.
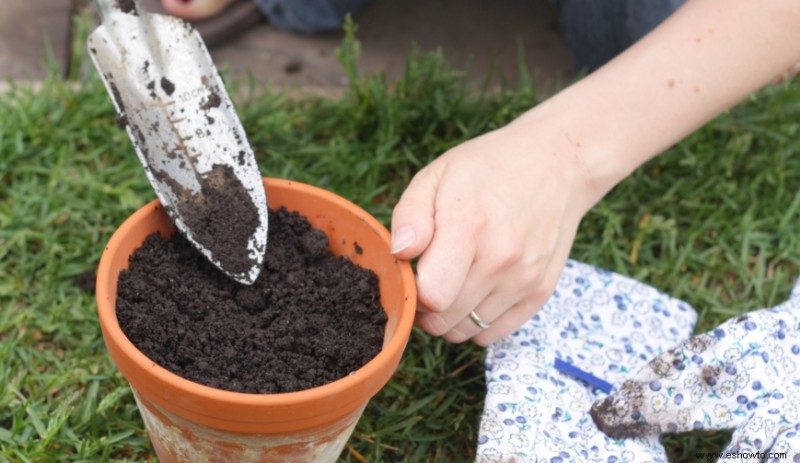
point(413, 216)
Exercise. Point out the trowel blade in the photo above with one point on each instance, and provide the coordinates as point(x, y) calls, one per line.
point(184, 128)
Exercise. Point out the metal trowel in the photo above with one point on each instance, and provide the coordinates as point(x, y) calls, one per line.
point(184, 128)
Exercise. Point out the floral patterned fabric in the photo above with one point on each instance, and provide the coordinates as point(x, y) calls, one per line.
point(603, 323)
point(742, 375)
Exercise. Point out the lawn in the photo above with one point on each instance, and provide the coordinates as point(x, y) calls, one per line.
point(714, 221)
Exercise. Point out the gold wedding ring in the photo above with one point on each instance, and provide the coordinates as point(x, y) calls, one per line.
point(477, 320)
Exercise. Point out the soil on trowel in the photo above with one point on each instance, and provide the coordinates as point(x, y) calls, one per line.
point(221, 216)
point(127, 6)
point(309, 319)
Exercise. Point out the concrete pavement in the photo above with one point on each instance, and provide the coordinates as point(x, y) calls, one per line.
point(473, 34)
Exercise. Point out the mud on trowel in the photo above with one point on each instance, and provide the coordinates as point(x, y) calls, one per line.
point(184, 128)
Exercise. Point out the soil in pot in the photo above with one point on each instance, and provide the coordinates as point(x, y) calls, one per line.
point(311, 317)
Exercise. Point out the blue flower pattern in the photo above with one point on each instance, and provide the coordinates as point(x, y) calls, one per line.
point(603, 323)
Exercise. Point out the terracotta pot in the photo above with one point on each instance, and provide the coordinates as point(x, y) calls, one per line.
point(190, 422)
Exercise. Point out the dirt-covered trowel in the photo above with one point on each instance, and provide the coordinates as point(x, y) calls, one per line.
point(185, 130)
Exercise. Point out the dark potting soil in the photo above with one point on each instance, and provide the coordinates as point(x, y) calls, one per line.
point(127, 6)
point(309, 319)
point(222, 216)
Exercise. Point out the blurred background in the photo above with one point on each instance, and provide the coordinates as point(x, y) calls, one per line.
point(474, 35)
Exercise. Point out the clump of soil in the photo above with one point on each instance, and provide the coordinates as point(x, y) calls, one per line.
point(213, 101)
point(222, 216)
point(309, 319)
point(167, 86)
point(127, 6)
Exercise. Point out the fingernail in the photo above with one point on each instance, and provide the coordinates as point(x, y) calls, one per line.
point(402, 239)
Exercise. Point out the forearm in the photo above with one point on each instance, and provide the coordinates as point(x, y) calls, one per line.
point(704, 59)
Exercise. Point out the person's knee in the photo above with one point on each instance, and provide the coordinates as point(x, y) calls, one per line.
point(597, 30)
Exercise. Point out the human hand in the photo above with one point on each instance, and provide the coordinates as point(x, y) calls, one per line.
point(493, 220)
point(741, 375)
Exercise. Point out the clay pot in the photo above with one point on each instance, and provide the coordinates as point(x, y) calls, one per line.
point(190, 422)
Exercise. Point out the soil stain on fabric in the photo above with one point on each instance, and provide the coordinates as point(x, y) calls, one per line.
point(710, 374)
point(700, 343)
point(614, 415)
point(309, 319)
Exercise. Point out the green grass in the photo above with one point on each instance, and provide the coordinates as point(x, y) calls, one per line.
point(714, 221)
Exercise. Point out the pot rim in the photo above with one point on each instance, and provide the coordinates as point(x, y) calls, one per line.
point(391, 350)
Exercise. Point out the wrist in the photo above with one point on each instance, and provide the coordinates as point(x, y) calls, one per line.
point(668, 84)
point(586, 140)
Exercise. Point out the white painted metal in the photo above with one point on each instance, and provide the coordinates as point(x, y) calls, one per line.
point(174, 105)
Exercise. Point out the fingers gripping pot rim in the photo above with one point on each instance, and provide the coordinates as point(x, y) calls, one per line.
point(188, 422)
